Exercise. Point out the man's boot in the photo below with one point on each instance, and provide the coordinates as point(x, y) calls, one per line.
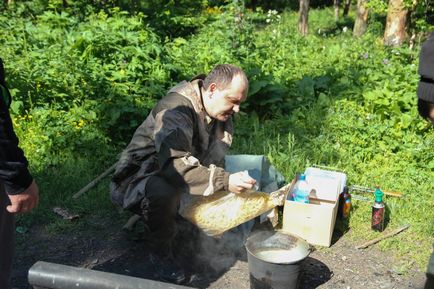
point(167, 268)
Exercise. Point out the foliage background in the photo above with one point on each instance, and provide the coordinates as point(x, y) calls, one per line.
point(84, 76)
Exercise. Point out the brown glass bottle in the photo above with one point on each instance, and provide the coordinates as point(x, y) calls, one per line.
point(378, 209)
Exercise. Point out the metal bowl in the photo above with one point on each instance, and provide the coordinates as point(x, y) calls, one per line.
point(277, 247)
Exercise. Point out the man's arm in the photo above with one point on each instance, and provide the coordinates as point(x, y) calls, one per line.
point(19, 184)
point(173, 139)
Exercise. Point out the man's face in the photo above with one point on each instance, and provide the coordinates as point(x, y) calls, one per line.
point(222, 103)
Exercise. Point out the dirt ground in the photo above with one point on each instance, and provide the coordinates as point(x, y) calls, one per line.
point(210, 263)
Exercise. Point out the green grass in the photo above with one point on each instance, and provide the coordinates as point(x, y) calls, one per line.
point(391, 171)
point(57, 186)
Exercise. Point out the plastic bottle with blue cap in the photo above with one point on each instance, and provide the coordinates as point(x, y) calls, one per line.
point(301, 190)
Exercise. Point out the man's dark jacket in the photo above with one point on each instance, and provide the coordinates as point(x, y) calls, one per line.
point(179, 142)
point(13, 164)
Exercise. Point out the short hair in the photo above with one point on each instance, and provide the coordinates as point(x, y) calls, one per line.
point(424, 107)
point(223, 74)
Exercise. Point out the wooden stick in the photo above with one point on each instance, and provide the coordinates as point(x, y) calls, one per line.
point(368, 190)
point(393, 194)
point(94, 182)
point(390, 234)
point(129, 225)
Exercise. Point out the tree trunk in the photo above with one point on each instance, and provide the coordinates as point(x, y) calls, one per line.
point(361, 19)
point(336, 4)
point(303, 25)
point(396, 23)
point(254, 4)
point(347, 7)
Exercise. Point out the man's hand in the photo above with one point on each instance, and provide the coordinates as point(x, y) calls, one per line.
point(241, 181)
point(25, 201)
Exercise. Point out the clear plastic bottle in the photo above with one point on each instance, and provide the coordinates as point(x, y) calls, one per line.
point(301, 190)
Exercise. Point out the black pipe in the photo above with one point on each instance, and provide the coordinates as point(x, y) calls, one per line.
point(44, 275)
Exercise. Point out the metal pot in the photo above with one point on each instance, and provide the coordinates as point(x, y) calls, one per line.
point(274, 259)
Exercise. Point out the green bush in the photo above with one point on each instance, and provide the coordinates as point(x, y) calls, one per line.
point(109, 64)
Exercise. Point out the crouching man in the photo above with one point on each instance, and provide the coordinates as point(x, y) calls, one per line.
point(180, 149)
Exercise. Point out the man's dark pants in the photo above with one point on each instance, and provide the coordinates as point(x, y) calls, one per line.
point(159, 210)
point(7, 239)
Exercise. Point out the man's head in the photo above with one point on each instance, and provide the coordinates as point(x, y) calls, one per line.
point(425, 91)
point(224, 88)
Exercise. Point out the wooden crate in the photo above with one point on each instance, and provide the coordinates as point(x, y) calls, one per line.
point(315, 221)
